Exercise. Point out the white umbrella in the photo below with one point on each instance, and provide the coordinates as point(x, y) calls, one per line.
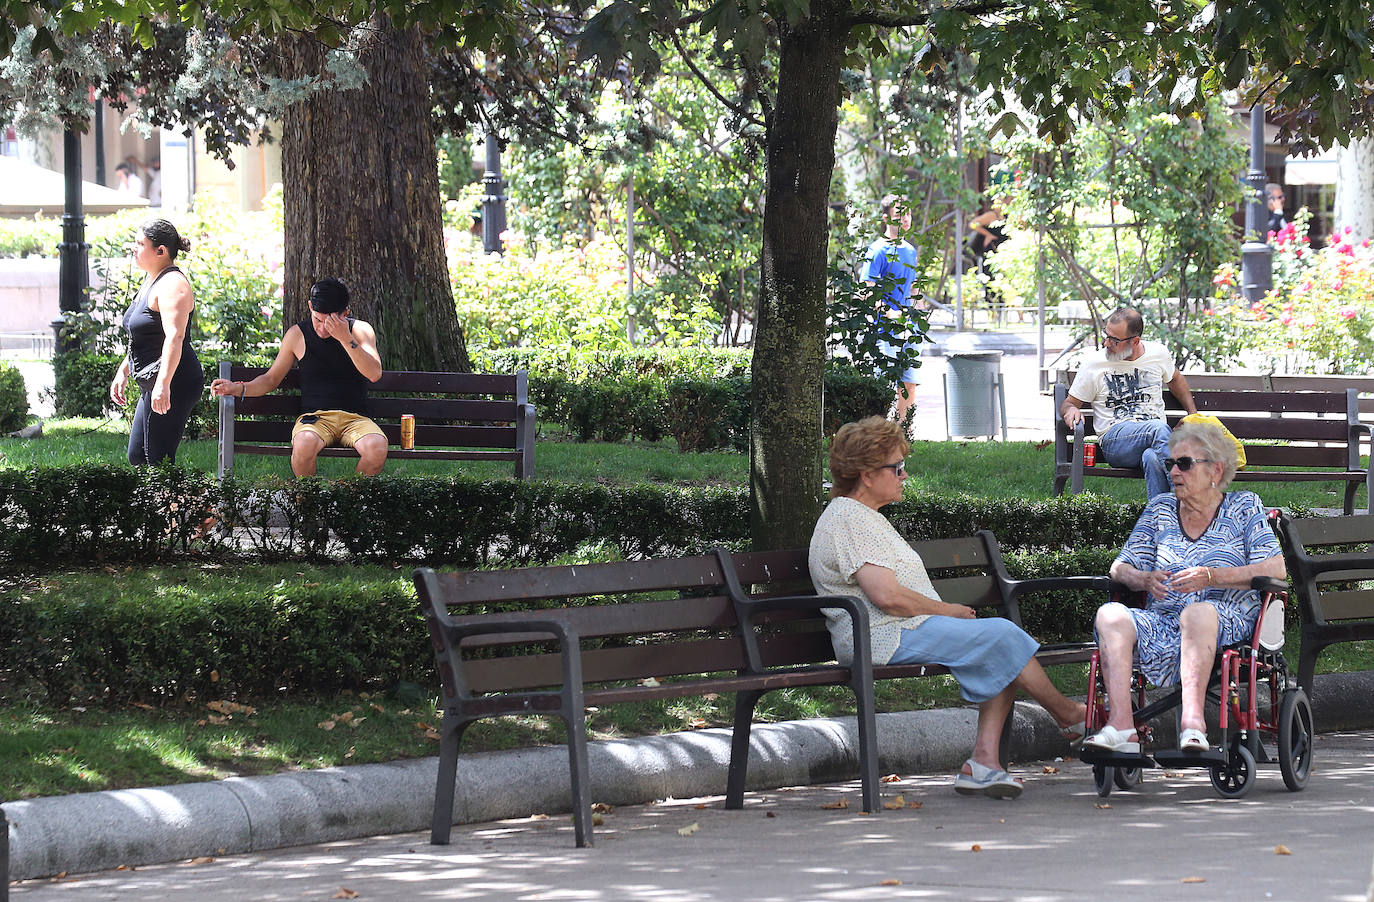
point(27, 189)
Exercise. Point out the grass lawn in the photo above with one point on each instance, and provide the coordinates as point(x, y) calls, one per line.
point(988, 469)
point(89, 746)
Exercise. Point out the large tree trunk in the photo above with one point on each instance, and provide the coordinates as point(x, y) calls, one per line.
point(1355, 188)
point(361, 200)
point(789, 343)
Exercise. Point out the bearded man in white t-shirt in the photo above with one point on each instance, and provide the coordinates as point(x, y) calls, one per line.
point(1125, 387)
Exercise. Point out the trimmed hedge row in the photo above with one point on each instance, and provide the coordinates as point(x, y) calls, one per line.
point(102, 513)
point(307, 633)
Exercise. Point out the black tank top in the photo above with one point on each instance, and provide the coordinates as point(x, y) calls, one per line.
point(329, 380)
point(146, 334)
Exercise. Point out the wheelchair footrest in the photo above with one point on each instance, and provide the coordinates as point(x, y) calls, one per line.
point(1174, 758)
point(1113, 759)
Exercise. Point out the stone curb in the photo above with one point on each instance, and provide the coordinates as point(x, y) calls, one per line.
point(103, 830)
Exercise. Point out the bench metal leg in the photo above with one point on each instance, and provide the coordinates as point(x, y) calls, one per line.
point(745, 703)
point(4, 857)
point(446, 786)
point(577, 765)
point(868, 747)
point(1307, 665)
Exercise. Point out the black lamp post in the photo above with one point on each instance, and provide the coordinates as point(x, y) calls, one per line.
point(1256, 256)
point(72, 271)
point(493, 200)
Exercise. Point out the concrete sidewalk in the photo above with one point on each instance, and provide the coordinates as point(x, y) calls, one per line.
point(1172, 838)
point(250, 816)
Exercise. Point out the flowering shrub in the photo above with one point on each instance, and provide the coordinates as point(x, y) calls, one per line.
point(1318, 317)
point(565, 296)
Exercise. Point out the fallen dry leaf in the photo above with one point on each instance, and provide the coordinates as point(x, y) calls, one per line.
point(648, 681)
point(214, 676)
point(218, 719)
point(1194, 880)
point(378, 708)
point(912, 806)
point(351, 752)
point(144, 706)
point(346, 716)
point(124, 867)
point(895, 804)
point(326, 725)
point(891, 778)
point(976, 848)
point(696, 723)
point(204, 859)
point(689, 829)
point(344, 893)
point(1049, 769)
point(890, 883)
point(1281, 849)
point(700, 806)
point(835, 806)
point(355, 722)
point(603, 808)
point(769, 814)
point(539, 817)
point(201, 722)
point(1102, 805)
point(710, 696)
point(224, 707)
point(432, 735)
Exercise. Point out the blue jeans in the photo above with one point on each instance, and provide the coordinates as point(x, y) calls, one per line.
point(1139, 443)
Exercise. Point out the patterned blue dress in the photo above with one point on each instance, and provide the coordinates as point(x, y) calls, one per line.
point(1238, 536)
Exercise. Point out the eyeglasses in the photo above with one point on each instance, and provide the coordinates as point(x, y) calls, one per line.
point(899, 467)
point(1113, 340)
point(1184, 463)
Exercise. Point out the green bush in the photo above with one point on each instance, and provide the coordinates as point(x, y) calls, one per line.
point(212, 634)
point(97, 513)
point(851, 394)
point(706, 413)
point(81, 383)
point(14, 399)
point(614, 409)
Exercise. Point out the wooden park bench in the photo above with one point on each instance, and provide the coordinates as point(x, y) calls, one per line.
point(1330, 562)
point(553, 640)
point(458, 416)
point(1314, 436)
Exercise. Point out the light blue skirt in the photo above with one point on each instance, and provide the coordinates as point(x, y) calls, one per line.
point(984, 655)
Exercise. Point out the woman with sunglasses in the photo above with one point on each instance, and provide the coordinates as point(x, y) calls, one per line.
point(1194, 553)
point(856, 551)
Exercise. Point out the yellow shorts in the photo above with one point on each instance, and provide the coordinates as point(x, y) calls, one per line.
point(336, 427)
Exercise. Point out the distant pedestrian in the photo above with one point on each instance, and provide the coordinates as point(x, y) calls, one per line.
point(128, 181)
point(892, 257)
point(160, 358)
point(1273, 199)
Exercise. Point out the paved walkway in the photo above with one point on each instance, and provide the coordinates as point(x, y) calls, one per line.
point(1170, 839)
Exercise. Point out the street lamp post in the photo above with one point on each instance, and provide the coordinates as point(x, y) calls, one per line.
point(1256, 256)
point(72, 266)
point(493, 198)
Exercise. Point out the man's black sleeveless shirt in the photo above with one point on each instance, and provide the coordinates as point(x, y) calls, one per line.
point(329, 380)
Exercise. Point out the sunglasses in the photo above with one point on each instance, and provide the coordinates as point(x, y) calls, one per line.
point(1184, 463)
point(899, 467)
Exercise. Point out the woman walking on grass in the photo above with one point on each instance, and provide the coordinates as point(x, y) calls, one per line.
point(160, 357)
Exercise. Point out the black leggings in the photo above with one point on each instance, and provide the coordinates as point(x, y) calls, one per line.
point(154, 437)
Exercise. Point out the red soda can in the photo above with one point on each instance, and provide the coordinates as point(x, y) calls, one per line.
point(1089, 454)
point(408, 431)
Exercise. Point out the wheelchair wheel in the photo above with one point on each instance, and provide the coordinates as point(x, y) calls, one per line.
point(1103, 776)
point(1295, 739)
point(1128, 777)
point(1233, 779)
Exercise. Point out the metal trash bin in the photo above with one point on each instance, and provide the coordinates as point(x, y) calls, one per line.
point(975, 398)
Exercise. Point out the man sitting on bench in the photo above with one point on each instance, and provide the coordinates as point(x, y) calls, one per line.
point(338, 358)
point(1125, 387)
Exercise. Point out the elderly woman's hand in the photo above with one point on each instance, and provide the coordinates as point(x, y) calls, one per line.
point(1192, 579)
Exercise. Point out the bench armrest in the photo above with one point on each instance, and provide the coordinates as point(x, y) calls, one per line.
point(1058, 583)
point(747, 609)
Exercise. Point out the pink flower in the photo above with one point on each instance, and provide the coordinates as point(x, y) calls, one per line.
point(1223, 278)
point(1347, 312)
point(1348, 229)
point(1337, 286)
point(1258, 306)
point(1307, 286)
point(1346, 249)
point(1286, 319)
point(1209, 312)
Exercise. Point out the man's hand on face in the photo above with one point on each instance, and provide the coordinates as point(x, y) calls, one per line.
point(336, 327)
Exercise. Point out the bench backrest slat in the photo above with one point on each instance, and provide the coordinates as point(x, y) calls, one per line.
point(1328, 596)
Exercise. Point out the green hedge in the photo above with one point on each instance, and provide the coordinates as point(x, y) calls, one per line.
point(14, 399)
point(99, 513)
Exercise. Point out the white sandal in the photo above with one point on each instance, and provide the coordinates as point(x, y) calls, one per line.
point(1191, 740)
point(997, 784)
point(1110, 739)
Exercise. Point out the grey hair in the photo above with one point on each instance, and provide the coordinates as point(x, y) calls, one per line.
point(1215, 445)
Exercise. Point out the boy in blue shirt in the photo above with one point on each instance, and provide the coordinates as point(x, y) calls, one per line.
point(892, 257)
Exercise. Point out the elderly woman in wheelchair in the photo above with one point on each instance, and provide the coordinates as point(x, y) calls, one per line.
point(1194, 553)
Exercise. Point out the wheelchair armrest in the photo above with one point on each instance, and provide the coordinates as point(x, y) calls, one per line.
point(1269, 584)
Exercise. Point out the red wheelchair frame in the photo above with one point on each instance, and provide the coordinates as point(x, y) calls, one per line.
point(1246, 730)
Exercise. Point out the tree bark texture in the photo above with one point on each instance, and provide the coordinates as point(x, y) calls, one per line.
point(361, 200)
point(789, 343)
point(1355, 188)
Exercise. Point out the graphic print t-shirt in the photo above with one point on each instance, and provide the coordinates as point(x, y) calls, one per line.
point(1125, 390)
